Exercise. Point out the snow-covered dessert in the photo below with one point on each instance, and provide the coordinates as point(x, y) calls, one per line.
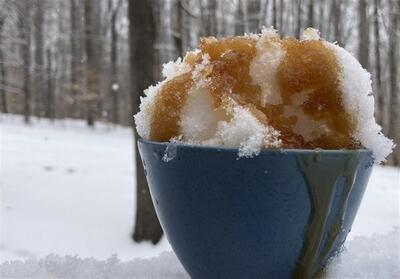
point(261, 91)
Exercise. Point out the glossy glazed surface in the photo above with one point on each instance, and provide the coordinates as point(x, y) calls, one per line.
point(280, 214)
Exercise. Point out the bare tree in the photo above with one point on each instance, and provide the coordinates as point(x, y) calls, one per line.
point(274, 14)
point(114, 83)
point(298, 18)
point(281, 10)
point(394, 127)
point(50, 105)
point(3, 97)
point(363, 31)
point(39, 75)
point(378, 79)
point(24, 26)
point(208, 11)
point(74, 87)
point(141, 41)
point(337, 12)
point(239, 18)
point(310, 21)
point(253, 11)
point(92, 81)
point(177, 32)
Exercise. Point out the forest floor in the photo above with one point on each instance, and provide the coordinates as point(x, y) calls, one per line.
point(67, 189)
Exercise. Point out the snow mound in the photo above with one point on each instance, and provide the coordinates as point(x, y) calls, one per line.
point(362, 257)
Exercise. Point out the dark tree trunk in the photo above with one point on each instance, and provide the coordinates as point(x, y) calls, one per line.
point(92, 81)
point(239, 19)
point(74, 60)
point(378, 79)
point(39, 76)
point(253, 15)
point(209, 17)
point(363, 31)
point(298, 17)
point(141, 40)
point(394, 127)
point(50, 105)
point(274, 14)
point(24, 27)
point(337, 30)
point(3, 97)
point(178, 28)
point(310, 21)
point(114, 84)
point(321, 16)
point(281, 10)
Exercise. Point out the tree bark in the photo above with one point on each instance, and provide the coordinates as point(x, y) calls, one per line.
point(39, 76)
point(74, 64)
point(50, 106)
point(141, 41)
point(209, 17)
point(24, 27)
point(274, 14)
point(239, 19)
point(4, 107)
point(253, 11)
point(91, 71)
point(178, 28)
point(281, 10)
point(298, 17)
point(114, 84)
point(337, 11)
point(363, 31)
point(310, 21)
point(394, 127)
point(378, 79)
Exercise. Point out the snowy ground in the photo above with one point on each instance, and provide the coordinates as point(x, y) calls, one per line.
point(68, 190)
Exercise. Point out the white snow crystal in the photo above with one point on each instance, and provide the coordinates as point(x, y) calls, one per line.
point(358, 101)
point(175, 68)
point(246, 132)
point(143, 117)
point(264, 66)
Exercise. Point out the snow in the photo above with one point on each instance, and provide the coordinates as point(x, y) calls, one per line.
point(354, 83)
point(358, 101)
point(68, 190)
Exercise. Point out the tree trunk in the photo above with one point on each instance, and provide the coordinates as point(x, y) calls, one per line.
point(239, 19)
point(24, 27)
point(38, 21)
point(253, 11)
point(394, 127)
point(298, 24)
point(363, 32)
point(378, 79)
point(4, 107)
point(321, 17)
point(337, 10)
point(114, 84)
point(281, 10)
point(141, 40)
point(178, 28)
point(50, 88)
point(92, 81)
point(209, 17)
point(310, 21)
point(274, 14)
point(74, 60)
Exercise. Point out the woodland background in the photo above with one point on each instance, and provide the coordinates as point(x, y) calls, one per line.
point(91, 59)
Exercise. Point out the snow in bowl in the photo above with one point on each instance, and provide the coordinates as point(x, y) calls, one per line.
point(280, 214)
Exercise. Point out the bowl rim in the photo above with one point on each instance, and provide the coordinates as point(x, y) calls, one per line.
point(265, 150)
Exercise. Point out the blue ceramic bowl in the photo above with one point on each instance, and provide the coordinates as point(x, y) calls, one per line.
point(280, 214)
